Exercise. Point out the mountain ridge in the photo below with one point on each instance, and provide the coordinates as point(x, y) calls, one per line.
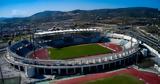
point(86, 15)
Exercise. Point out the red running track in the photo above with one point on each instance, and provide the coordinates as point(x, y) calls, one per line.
point(40, 54)
point(115, 48)
point(149, 78)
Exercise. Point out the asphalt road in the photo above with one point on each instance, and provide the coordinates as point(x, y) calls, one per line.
point(154, 43)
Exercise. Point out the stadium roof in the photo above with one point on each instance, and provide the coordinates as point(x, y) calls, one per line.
point(62, 31)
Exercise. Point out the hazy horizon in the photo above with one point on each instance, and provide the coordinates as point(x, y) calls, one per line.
point(24, 8)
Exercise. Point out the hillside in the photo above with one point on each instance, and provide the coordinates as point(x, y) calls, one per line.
point(80, 17)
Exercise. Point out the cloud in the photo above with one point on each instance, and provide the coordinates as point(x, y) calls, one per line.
point(18, 13)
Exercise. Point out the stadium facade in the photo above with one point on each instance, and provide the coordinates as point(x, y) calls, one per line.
point(18, 54)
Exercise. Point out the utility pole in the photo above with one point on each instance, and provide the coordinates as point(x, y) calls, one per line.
point(1, 75)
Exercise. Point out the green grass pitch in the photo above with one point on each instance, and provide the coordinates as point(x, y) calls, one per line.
point(77, 51)
point(118, 79)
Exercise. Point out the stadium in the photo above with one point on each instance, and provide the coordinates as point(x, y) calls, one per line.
point(73, 51)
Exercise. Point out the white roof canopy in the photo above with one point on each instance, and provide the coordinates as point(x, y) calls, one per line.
point(63, 31)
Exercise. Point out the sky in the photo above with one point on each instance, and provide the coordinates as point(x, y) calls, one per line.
point(23, 8)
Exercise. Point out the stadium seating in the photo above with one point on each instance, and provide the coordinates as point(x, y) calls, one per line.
point(16, 46)
point(70, 39)
point(22, 48)
point(67, 39)
point(105, 39)
point(123, 42)
point(115, 41)
point(25, 42)
point(23, 52)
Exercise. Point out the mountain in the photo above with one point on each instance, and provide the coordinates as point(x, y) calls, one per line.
point(85, 15)
point(1, 19)
point(45, 16)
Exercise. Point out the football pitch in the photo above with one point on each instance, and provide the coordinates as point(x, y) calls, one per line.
point(77, 51)
point(118, 79)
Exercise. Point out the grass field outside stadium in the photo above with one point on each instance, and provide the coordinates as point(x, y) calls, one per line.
point(77, 51)
point(118, 79)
